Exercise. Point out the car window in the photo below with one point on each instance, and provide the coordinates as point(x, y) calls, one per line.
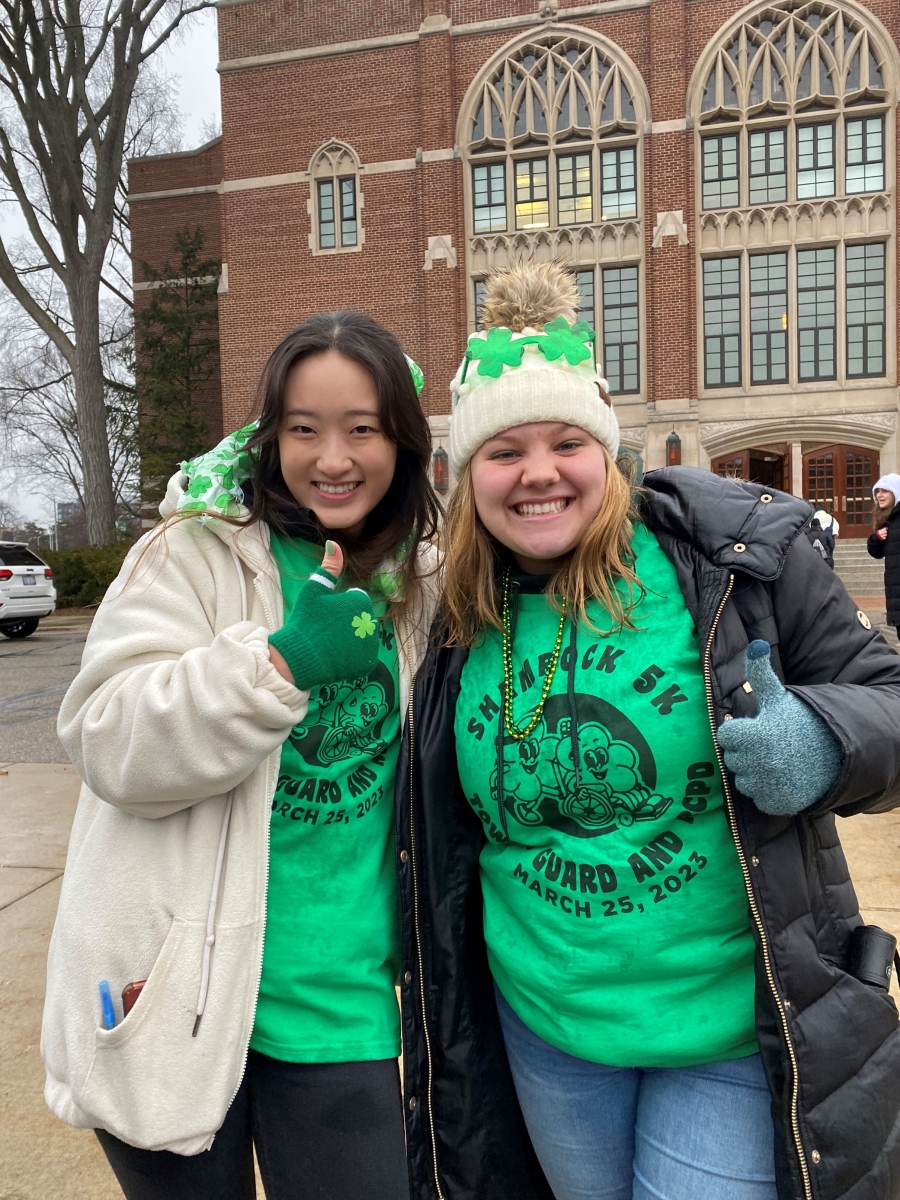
point(18, 556)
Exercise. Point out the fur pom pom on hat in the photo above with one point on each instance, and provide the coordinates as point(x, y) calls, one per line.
point(531, 362)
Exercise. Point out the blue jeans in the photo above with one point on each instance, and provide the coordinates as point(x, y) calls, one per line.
point(620, 1133)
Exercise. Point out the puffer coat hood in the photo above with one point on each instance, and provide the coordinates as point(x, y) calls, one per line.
point(830, 1044)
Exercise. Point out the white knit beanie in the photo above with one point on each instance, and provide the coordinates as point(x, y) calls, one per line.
point(888, 483)
point(529, 364)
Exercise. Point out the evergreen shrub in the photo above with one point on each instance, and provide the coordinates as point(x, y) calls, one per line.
point(82, 575)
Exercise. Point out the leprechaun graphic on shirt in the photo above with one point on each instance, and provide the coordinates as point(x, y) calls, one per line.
point(331, 951)
point(610, 875)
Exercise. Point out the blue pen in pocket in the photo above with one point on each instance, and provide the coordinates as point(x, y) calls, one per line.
point(106, 1004)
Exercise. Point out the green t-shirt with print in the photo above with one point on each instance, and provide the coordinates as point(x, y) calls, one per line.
point(615, 913)
point(332, 941)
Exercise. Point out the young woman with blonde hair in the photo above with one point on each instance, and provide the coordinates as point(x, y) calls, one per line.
point(629, 741)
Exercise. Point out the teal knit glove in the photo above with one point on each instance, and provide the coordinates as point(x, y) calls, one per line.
point(786, 758)
point(328, 636)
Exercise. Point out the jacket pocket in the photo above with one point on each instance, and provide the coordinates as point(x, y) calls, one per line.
point(151, 1083)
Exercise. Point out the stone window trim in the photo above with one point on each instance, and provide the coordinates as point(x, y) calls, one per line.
point(741, 87)
point(337, 163)
point(813, 150)
point(610, 300)
point(525, 106)
point(843, 377)
point(599, 307)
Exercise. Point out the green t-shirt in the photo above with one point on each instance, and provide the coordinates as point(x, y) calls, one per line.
point(615, 914)
point(332, 942)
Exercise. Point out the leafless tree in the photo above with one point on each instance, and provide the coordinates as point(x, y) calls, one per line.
point(70, 71)
point(38, 411)
point(10, 519)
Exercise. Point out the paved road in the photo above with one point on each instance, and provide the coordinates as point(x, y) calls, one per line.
point(34, 675)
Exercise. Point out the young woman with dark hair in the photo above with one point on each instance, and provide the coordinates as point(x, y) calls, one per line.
point(236, 721)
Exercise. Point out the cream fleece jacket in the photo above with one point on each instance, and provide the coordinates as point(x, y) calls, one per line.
point(175, 723)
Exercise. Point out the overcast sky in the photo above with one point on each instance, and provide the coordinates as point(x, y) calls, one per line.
point(191, 57)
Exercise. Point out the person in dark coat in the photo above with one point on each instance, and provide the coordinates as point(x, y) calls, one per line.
point(629, 923)
point(884, 541)
point(820, 542)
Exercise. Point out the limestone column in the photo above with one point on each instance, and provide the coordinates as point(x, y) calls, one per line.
point(797, 469)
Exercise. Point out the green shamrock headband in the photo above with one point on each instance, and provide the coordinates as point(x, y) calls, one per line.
point(501, 348)
point(216, 479)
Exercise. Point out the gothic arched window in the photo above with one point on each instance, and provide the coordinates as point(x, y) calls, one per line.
point(794, 116)
point(552, 130)
point(335, 199)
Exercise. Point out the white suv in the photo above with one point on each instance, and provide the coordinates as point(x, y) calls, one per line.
point(26, 590)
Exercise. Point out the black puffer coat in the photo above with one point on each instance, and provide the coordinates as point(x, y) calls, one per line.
point(889, 550)
point(830, 1044)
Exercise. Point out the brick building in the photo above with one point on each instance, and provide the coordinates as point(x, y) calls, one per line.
point(721, 178)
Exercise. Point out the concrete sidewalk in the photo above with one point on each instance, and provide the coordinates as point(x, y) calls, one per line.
point(42, 1159)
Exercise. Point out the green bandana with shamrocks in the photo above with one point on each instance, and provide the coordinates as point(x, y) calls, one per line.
point(558, 340)
point(216, 479)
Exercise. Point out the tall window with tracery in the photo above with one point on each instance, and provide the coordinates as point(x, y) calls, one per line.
point(335, 200)
point(795, 129)
point(552, 133)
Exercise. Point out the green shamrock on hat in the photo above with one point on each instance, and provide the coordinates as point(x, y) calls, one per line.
point(562, 340)
point(496, 351)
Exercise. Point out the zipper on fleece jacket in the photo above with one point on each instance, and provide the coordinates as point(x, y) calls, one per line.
point(418, 936)
point(265, 904)
point(754, 906)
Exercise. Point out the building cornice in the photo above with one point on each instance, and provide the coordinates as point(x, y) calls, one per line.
point(281, 57)
point(251, 183)
point(562, 15)
point(174, 193)
point(467, 29)
point(178, 153)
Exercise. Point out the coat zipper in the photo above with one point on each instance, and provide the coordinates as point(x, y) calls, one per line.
point(418, 937)
point(754, 907)
point(268, 616)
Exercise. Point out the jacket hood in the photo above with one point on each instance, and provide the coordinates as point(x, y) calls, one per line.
point(736, 525)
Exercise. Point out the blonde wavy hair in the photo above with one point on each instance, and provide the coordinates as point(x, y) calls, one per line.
point(591, 571)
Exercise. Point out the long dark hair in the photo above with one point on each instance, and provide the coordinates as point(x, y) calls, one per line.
point(409, 510)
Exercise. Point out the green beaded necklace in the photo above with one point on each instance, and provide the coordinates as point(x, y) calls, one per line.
point(518, 732)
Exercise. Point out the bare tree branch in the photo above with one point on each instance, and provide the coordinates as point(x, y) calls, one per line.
point(80, 97)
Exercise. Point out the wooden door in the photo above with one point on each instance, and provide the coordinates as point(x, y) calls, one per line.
point(757, 466)
point(735, 465)
point(839, 479)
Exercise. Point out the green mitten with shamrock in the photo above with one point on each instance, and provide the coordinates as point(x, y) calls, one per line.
point(328, 636)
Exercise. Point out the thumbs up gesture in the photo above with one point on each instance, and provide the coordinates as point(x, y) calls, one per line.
point(785, 758)
point(328, 636)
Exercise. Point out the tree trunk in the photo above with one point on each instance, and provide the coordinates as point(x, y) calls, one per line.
point(90, 400)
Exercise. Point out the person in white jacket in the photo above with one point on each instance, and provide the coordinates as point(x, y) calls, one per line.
point(236, 722)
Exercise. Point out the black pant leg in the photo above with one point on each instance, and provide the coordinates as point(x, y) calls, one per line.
point(329, 1131)
point(224, 1172)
